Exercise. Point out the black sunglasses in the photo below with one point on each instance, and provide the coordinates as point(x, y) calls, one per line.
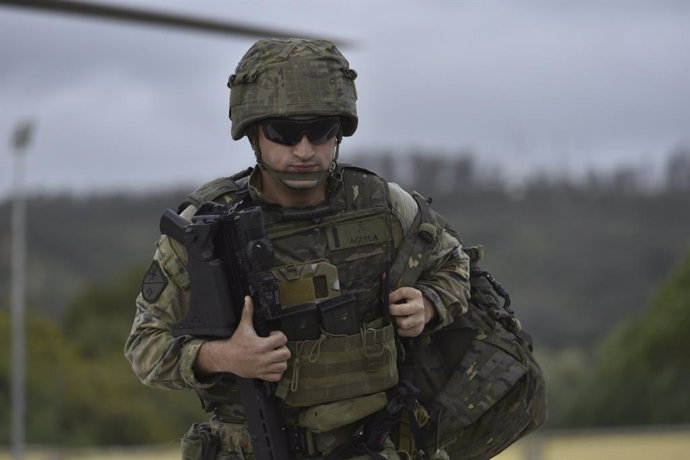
point(289, 132)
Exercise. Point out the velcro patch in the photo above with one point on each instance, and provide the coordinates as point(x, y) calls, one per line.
point(360, 233)
point(154, 282)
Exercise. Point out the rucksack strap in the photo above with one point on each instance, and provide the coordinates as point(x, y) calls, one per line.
point(411, 257)
point(214, 189)
point(415, 248)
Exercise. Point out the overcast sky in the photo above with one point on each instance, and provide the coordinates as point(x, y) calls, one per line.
point(530, 86)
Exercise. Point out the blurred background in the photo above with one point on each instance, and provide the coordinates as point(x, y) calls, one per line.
point(556, 134)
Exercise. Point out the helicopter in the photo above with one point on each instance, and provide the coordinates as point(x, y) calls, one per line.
point(155, 18)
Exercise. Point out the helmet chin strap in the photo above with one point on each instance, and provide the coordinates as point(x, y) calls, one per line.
point(282, 176)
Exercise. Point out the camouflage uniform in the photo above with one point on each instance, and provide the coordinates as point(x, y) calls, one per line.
point(161, 360)
point(336, 380)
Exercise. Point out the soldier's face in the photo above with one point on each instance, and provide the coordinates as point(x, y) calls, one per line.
point(303, 157)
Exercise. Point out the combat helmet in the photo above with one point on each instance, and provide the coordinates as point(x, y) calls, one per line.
point(292, 77)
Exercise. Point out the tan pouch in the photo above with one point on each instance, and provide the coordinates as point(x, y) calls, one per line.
point(327, 417)
point(334, 368)
point(312, 281)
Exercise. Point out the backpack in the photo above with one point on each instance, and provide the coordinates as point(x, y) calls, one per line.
point(480, 388)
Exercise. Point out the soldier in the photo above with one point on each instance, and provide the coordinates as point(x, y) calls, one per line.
point(336, 230)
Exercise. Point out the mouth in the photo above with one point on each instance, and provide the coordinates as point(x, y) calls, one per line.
point(303, 168)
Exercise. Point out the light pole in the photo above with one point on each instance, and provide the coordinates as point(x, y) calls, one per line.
point(20, 141)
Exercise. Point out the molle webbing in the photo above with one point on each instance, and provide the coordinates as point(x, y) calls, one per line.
point(334, 368)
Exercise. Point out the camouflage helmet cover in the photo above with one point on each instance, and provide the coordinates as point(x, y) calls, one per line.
point(292, 77)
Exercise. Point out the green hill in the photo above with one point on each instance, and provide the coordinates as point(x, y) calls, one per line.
point(576, 258)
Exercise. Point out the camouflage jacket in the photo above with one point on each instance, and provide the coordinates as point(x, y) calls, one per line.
point(161, 360)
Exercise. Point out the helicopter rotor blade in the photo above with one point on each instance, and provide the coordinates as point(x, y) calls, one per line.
point(152, 17)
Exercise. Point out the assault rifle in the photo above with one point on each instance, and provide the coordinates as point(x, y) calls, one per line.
point(229, 256)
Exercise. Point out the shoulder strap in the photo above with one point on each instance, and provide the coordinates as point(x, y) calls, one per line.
point(362, 188)
point(216, 188)
point(415, 247)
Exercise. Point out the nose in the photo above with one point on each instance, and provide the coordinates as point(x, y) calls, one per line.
point(304, 149)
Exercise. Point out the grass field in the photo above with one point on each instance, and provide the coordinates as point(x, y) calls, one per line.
point(111, 453)
point(659, 443)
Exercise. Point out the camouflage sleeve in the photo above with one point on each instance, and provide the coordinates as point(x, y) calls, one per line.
point(445, 279)
point(159, 359)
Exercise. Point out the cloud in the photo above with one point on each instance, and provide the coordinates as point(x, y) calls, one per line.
point(528, 86)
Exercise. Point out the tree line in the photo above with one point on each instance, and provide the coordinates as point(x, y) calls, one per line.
point(598, 275)
point(81, 390)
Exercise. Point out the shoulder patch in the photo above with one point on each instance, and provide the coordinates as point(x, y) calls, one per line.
point(154, 282)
